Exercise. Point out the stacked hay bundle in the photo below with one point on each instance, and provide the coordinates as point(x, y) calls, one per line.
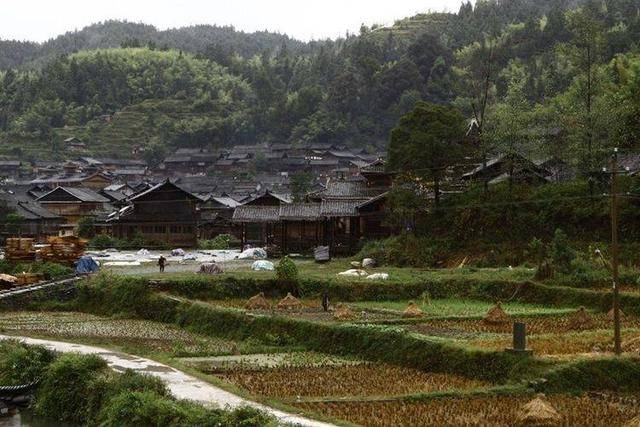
point(258, 302)
point(412, 311)
point(289, 303)
point(633, 423)
point(580, 319)
point(539, 413)
point(63, 250)
point(610, 314)
point(20, 249)
point(496, 315)
point(343, 313)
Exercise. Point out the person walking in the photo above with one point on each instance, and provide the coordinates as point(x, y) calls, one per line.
point(162, 261)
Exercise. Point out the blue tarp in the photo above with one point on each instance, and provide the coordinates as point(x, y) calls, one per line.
point(86, 265)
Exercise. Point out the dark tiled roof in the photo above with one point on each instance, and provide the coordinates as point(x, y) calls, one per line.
point(33, 211)
point(250, 213)
point(300, 212)
point(83, 194)
point(339, 208)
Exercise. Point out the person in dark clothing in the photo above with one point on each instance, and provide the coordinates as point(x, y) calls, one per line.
point(161, 263)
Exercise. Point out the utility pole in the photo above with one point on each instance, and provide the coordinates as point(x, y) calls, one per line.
point(614, 252)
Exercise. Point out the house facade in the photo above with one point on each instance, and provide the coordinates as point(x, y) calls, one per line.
point(165, 214)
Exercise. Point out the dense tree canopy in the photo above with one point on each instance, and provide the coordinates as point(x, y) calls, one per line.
point(557, 63)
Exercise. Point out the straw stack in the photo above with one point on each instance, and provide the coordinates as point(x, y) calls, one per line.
point(258, 302)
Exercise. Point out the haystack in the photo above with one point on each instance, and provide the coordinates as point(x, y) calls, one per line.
point(210, 269)
point(497, 315)
point(610, 314)
point(539, 413)
point(289, 303)
point(412, 310)
point(633, 423)
point(580, 319)
point(258, 302)
point(632, 345)
point(343, 313)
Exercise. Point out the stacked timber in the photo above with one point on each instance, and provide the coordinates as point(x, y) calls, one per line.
point(19, 249)
point(26, 279)
point(63, 250)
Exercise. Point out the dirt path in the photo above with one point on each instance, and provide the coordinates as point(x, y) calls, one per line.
point(181, 385)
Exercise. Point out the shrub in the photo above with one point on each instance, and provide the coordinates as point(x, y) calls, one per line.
point(102, 241)
point(406, 251)
point(561, 252)
point(22, 364)
point(65, 393)
point(220, 242)
point(50, 270)
point(615, 374)
point(287, 270)
point(135, 408)
point(86, 227)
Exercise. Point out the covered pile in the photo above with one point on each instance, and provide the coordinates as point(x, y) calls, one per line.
point(497, 315)
point(539, 413)
point(210, 268)
point(412, 310)
point(289, 303)
point(258, 302)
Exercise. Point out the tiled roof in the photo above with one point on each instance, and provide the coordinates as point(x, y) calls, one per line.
point(339, 208)
point(83, 194)
point(250, 213)
point(300, 212)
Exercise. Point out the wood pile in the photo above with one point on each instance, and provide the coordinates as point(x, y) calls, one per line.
point(26, 279)
point(19, 249)
point(63, 250)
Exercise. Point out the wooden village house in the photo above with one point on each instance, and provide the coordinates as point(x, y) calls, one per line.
point(165, 214)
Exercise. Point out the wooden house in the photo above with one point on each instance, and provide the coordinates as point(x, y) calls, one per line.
point(164, 214)
point(36, 221)
point(73, 203)
point(340, 216)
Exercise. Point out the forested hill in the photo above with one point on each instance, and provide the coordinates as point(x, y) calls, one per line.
point(112, 34)
point(519, 67)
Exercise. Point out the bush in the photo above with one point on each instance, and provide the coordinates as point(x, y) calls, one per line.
point(66, 392)
point(86, 227)
point(22, 364)
point(50, 270)
point(287, 270)
point(614, 374)
point(561, 252)
point(135, 408)
point(220, 242)
point(102, 241)
point(406, 251)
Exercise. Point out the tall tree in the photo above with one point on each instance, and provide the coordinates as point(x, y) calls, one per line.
point(425, 143)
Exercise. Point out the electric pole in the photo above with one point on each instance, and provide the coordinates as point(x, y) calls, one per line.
point(614, 252)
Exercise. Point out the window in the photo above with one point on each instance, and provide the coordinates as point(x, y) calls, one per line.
point(159, 229)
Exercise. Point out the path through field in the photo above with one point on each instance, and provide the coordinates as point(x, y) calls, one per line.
point(182, 386)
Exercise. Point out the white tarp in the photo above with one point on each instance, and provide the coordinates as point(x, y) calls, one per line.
point(253, 253)
point(263, 266)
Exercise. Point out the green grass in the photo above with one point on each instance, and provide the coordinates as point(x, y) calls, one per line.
point(463, 307)
point(309, 269)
